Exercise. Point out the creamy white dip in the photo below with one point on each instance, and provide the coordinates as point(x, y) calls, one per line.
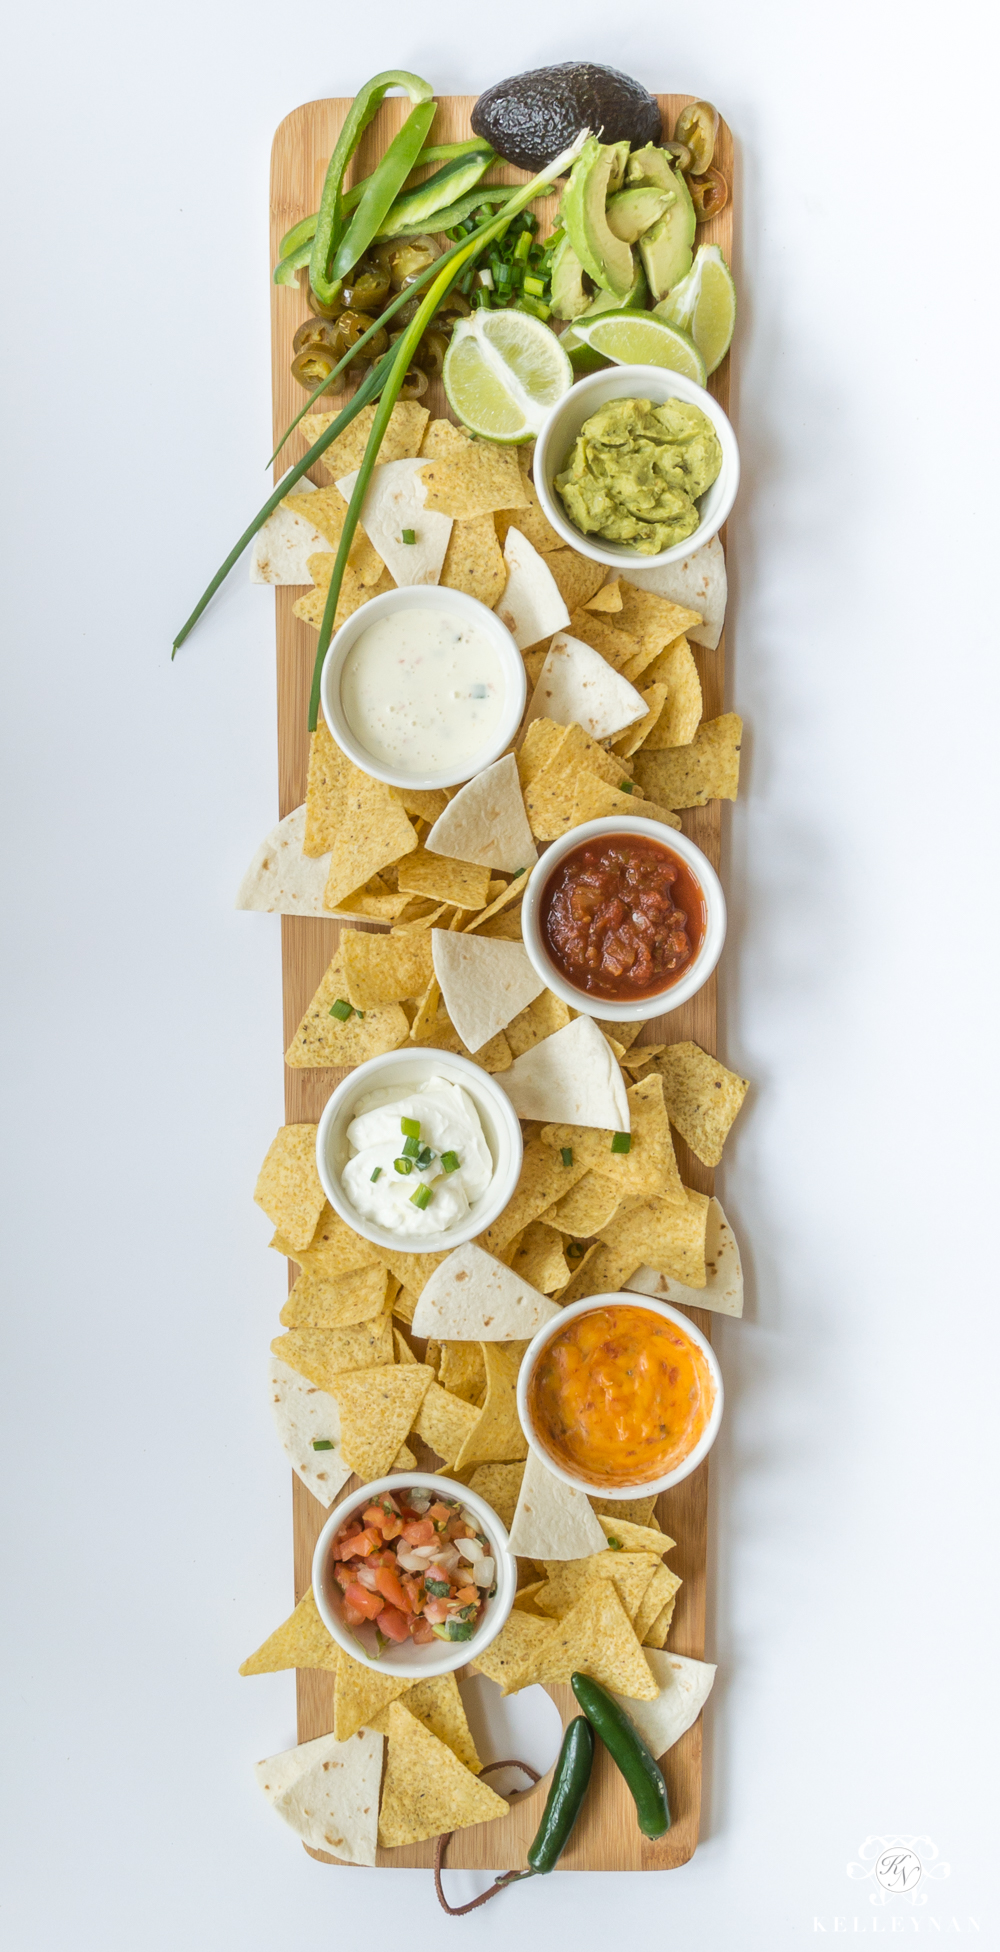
point(422, 691)
point(449, 1124)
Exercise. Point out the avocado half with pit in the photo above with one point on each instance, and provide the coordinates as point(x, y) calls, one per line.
point(606, 258)
point(529, 118)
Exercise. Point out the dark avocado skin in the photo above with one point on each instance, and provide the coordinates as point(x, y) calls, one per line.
point(530, 118)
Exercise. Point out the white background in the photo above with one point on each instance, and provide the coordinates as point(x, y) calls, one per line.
point(853, 1588)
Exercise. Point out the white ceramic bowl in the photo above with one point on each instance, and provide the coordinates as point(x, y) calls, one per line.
point(403, 1658)
point(661, 1002)
point(466, 610)
point(648, 1486)
point(408, 1069)
point(563, 424)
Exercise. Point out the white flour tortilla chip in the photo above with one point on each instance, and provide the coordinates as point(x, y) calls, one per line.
point(281, 880)
point(570, 1078)
point(552, 1521)
point(486, 822)
point(484, 983)
point(576, 685)
point(394, 502)
point(282, 548)
point(699, 582)
point(531, 605)
point(302, 1413)
point(473, 1298)
point(327, 1791)
point(723, 1290)
point(684, 1685)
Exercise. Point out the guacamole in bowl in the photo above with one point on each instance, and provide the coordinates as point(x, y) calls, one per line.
point(636, 471)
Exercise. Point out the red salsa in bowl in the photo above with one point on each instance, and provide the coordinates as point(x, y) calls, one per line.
point(623, 917)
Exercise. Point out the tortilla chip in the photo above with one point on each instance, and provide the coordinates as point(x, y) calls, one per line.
point(626, 1535)
point(305, 1416)
point(542, 740)
point(614, 642)
point(486, 823)
point(699, 581)
point(474, 561)
point(542, 1176)
point(438, 1704)
point(661, 1592)
point(512, 893)
point(505, 927)
point(552, 1520)
point(426, 1789)
point(691, 775)
point(328, 1794)
point(531, 606)
point(497, 1437)
point(587, 1207)
point(572, 1071)
point(374, 834)
point(445, 1422)
point(578, 578)
point(438, 878)
point(723, 1290)
point(681, 716)
point(365, 575)
point(322, 1353)
point(667, 1237)
point(596, 1637)
point(382, 969)
point(702, 1098)
point(316, 1302)
point(301, 1641)
point(539, 1258)
point(654, 620)
point(377, 1410)
point(500, 1485)
point(649, 1166)
point(442, 439)
point(484, 983)
point(424, 803)
point(288, 1185)
point(402, 436)
point(472, 1296)
point(412, 1271)
point(324, 1039)
point(567, 1580)
point(639, 1511)
point(576, 751)
point(515, 1652)
point(404, 1305)
point(607, 600)
point(282, 879)
point(326, 790)
point(326, 510)
point(375, 902)
point(654, 697)
point(334, 1249)
point(656, 1635)
point(575, 685)
point(683, 1687)
point(476, 481)
point(283, 545)
point(462, 1371)
point(557, 803)
point(362, 1694)
point(393, 506)
point(542, 1018)
point(524, 1600)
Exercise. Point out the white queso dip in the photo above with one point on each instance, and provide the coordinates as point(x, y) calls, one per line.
point(422, 691)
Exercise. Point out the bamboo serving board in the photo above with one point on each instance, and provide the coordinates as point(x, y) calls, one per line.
point(606, 1837)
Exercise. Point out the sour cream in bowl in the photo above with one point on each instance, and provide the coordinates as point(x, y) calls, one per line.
point(420, 1152)
point(423, 687)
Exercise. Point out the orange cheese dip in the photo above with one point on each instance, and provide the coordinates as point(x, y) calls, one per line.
point(620, 1396)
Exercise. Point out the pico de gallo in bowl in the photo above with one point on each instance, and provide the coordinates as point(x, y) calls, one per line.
point(415, 1570)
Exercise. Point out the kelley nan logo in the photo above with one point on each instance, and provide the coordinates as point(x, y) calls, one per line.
point(896, 1866)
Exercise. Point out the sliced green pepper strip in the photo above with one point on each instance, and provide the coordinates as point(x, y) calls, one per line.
point(487, 193)
point(442, 152)
point(330, 219)
point(436, 192)
point(382, 189)
point(627, 1749)
point(301, 233)
point(286, 271)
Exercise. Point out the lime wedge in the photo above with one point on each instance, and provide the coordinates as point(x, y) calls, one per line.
point(502, 373)
point(639, 339)
point(704, 304)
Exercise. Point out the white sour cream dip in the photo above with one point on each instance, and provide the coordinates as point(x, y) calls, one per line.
point(422, 691)
point(449, 1124)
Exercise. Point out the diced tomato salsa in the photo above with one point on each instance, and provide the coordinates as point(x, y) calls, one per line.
point(412, 1567)
point(623, 917)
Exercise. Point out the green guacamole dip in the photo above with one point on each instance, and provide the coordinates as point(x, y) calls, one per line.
point(636, 471)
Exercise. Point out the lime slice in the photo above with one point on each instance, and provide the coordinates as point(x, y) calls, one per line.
point(637, 339)
point(704, 304)
point(502, 373)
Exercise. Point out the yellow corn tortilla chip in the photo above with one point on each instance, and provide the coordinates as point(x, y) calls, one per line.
point(586, 1208)
point(539, 1258)
point(445, 1422)
point(341, 1303)
point(288, 1185)
point(575, 750)
point(512, 893)
point(463, 1371)
point(566, 1580)
point(375, 902)
point(649, 1166)
point(595, 1637)
point(324, 791)
point(503, 927)
point(638, 1511)
point(323, 1039)
point(614, 643)
point(641, 1054)
point(661, 1592)
point(440, 878)
point(702, 1098)
point(547, 1014)
point(326, 509)
point(301, 1641)
point(424, 803)
point(334, 1249)
point(681, 716)
point(594, 800)
point(542, 1179)
point(404, 1353)
point(526, 1602)
point(607, 600)
point(474, 561)
point(631, 1537)
point(477, 480)
point(438, 1704)
point(654, 619)
point(361, 1694)
point(364, 576)
point(405, 1305)
point(442, 439)
point(400, 442)
point(578, 578)
point(691, 775)
point(374, 834)
point(515, 1652)
point(654, 697)
point(497, 1437)
point(381, 969)
point(539, 745)
point(426, 1789)
point(320, 1354)
point(412, 1271)
point(656, 1635)
point(377, 1410)
point(404, 1460)
point(669, 1238)
point(500, 1485)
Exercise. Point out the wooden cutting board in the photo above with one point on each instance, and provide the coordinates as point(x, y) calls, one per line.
point(606, 1837)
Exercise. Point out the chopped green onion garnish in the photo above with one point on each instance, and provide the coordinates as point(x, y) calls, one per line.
point(614, 1545)
point(523, 245)
point(375, 1174)
point(450, 1162)
point(340, 1010)
point(411, 1148)
point(566, 1155)
point(574, 1250)
point(621, 1142)
point(517, 872)
point(410, 1127)
point(403, 1166)
point(322, 1443)
point(422, 1197)
point(535, 287)
point(627, 786)
point(424, 1158)
point(409, 535)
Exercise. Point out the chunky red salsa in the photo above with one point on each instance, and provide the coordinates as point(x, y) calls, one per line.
point(623, 917)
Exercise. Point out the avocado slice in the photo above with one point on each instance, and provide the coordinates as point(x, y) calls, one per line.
point(569, 295)
point(606, 258)
point(619, 164)
point(633, 211)
point(584, 360)
point(666, 249)
point(650, 165)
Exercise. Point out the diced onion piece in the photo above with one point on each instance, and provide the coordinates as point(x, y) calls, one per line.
point(483, 1572)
